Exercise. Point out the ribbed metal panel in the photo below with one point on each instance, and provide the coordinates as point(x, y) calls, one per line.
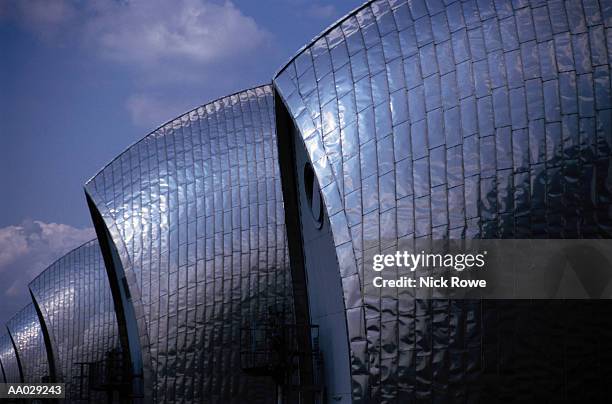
point(195, 210)
point(24, 329)
point(8, 359)
point(461, 119)
point(75, 301)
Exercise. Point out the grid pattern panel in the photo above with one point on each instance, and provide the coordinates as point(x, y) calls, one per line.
point(76, 303)
point(198, 207)
point(25, 330)
point(460, 119)
point(8, 359)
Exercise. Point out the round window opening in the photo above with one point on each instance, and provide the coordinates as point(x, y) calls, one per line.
point(313, 195)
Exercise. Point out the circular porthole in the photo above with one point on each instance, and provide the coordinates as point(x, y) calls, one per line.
point(313, 195)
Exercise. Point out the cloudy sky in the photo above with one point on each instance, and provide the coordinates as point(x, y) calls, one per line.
point(82, 80)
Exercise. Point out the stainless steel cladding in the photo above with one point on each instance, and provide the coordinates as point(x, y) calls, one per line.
point(25, 331)
point(75, 302)
point(471, 119)
point(193, 217)
point(8, 360)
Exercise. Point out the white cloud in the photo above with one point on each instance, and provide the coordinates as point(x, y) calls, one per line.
point(150, 111)
point(169, 49)
point(146, 32)
point(12, 245)
point(27, 249)
point(150, 31)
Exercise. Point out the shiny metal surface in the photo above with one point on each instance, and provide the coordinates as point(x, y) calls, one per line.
point(8, 360)
point(460, 119)
point(195, 210)
point(74, 298)
point(24, 329)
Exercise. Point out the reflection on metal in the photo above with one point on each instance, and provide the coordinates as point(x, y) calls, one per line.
point(405, 120)
point(195, 212)
point(24, 329)
point(75, 302)
point(472, 119)
point(8, 360)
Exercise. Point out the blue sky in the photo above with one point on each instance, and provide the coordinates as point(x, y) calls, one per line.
point(82, 80)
